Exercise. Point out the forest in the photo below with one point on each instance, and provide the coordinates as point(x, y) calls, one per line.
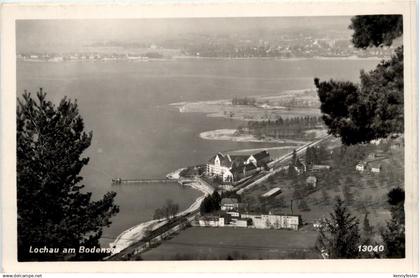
point(287, 128)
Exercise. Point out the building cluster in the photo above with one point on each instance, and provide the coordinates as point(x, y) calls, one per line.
point(287, 46)
point(372, 164)
point(79, 56)
point(231, 216)
point(231, 168)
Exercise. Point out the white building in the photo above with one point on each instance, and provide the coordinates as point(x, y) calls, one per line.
point(229, 204)
point(361, 166)
point(212, 221)
point(273, 221)
point(375, 167)
point(220, 165)
point(235, 167)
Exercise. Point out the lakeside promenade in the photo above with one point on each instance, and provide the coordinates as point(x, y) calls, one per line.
point(139, 232)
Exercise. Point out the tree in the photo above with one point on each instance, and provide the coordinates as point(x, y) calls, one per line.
point(367, 228)
point(210, 203)
point(170, 209)
point(394, 233)
point(52, 210)
point(376, 30)
point(294, 157)
point(396, 198)
point(340, 235)
point(374, 108)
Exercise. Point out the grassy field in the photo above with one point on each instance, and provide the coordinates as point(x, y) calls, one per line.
point(199, 243)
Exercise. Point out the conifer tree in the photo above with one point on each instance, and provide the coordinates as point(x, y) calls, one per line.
point(394, 232)
point(340, 234)
point(52, 210)
point(358, 113)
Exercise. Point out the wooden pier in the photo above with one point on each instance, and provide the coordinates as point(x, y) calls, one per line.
point(119, 181)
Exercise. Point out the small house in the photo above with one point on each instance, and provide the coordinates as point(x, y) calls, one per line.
point(272, 192)
point(261, 158)
point(311, 181)
point(239, 223)
point(234, 214)
point(361, 166)
point(375, 167)
point(210, 221)
point(319, 168)
point(229, 204)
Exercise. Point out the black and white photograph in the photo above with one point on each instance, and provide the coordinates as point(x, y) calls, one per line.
point(211, 138)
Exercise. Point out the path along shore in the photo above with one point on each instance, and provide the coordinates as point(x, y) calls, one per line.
point(137, 232)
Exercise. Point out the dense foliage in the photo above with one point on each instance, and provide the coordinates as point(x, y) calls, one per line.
point(315, 155)
point(374, 108)
point(168, 210)
point(292, 128)
point(244, 101)
point(376, 30)
point(52, 209)
point(210, 203)
point(394, 233)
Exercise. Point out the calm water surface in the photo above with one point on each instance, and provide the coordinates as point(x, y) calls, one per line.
point(136, 134)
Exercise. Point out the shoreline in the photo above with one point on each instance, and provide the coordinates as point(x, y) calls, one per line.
point(284, 103)
point(229, 135)
point(136, 233)
point(177, 58)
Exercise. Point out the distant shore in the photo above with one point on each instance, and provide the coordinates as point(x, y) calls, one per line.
point(174, 58)
point(268, 107)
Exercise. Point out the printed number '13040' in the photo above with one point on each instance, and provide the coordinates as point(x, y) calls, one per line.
point(371, 248)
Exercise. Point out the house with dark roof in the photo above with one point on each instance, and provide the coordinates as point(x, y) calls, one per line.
point(220, 165)
point(262, 158)
point(244, 171)
point(235, 167)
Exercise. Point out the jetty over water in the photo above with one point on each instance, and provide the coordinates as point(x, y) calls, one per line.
point(118, 181)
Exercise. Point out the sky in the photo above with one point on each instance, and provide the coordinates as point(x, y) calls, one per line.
point(39, 34)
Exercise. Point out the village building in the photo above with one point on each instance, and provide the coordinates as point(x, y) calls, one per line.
point(272, 192)
point(220, 165)
point(273, 221)
point(244, 171)
point(239, 222)
point(211, 221)
point(311, 181)
point(233, 168)
point(229, 204)
point(261, 158)
point(234, 213)
point(318, 168)
point(375, 167)
point(361, 166)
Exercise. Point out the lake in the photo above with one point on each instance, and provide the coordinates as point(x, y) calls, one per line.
point(137, 134)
